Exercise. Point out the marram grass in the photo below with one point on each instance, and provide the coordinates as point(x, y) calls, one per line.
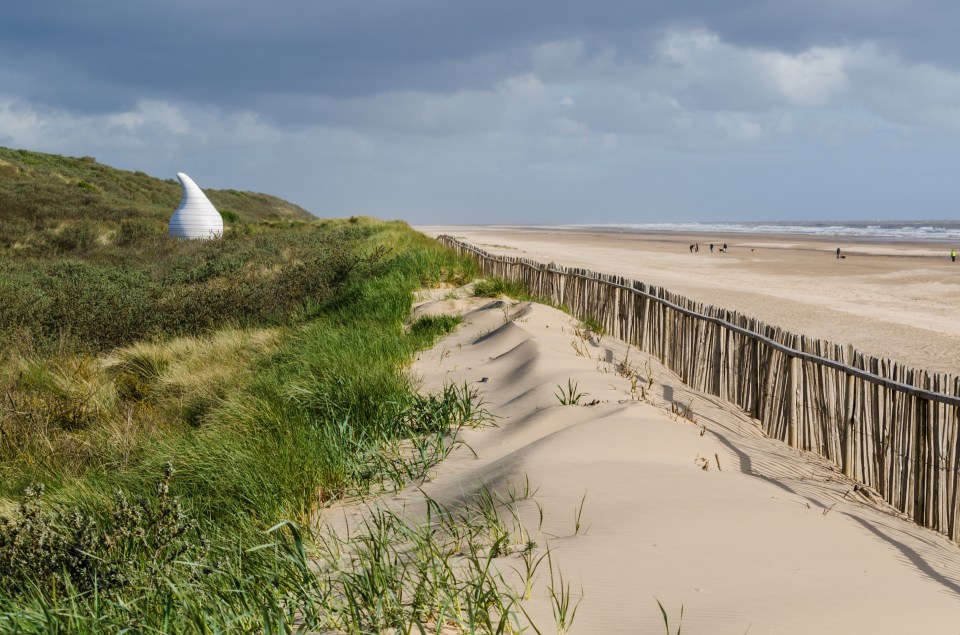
point(183, 504)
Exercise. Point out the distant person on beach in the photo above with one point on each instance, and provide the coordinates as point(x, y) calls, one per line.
point(696, 247)
point(838, 253)
point(711, 248)
point(953, 255)
point(725, 246)
point(691, 249)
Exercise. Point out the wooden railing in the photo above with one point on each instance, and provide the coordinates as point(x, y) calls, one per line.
point(890, 427)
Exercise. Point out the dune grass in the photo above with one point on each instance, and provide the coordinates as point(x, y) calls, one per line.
point(180, 475)
point(496, 287)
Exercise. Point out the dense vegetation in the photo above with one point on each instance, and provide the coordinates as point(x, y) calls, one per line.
point(51, 203)
point(175, 411)
point(85, 262)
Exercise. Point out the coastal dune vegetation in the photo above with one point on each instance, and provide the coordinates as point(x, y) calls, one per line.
point(174, 413)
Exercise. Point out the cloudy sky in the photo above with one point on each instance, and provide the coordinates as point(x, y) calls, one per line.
point(520, 111)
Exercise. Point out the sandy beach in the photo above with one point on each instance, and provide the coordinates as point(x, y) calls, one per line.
point(698, 512)
point(648, 491)
point(889, 299)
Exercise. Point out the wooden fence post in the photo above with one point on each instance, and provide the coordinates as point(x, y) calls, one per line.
point(792, 402)
point(667, 337)
point(849, 411)
point(718, 361)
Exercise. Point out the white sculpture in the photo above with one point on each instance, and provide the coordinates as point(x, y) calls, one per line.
point(196, 217)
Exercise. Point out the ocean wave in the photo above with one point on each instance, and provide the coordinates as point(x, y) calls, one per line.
point(919, 230)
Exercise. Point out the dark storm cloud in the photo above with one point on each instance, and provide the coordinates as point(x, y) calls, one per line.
point(99, 55)
point(519, 111)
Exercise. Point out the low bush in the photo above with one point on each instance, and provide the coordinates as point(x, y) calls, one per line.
point(496, 287)
point(178, 288)
point(137, 543)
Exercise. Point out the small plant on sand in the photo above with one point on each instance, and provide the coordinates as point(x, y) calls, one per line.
point(681, 411)
point(561, 599)
point(578, 516)
point(571, 396)
point(590, 326)
point(666, 620)
point(626, 368)
point(531, 562)
point(519, 492)
point(580, 348)
point(580, 345)
point(648, 369)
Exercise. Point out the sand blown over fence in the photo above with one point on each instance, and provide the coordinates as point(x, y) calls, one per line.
point(890, 427)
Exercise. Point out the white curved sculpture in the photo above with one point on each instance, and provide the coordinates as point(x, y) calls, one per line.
point(196, 217)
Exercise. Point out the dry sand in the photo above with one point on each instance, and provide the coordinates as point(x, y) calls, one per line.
point(889, 299)
point(766, 540)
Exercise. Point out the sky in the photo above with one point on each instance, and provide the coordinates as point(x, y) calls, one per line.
point(520, 111)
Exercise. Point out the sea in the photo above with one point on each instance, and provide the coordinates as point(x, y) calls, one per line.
point(907, 231)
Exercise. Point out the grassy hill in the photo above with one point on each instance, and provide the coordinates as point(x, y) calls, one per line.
point(50, 201)
point(173, 412)
point(86, 263)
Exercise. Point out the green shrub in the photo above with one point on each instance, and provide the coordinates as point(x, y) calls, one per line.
point(229, 216)
point(136, 543)
point(139, 231)
point(78, 236)
point(171, 287)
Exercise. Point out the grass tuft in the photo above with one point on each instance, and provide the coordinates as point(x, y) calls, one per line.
point(496, 287)
point(569, 396)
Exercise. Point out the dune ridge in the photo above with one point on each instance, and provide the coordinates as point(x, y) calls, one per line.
point(701, 512)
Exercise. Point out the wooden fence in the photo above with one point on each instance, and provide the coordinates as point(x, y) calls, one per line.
point(890, 427)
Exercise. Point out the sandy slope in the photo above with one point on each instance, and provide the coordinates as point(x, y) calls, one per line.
point(772, 542)
point(892, 300)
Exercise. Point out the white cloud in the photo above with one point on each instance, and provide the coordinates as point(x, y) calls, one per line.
point(721, 73)
point(708, 74)
point(152, 127)
point(20, 124)
point(167, 116)
point(813, 78)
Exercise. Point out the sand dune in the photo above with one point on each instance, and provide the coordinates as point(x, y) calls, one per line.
point(765, 539)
